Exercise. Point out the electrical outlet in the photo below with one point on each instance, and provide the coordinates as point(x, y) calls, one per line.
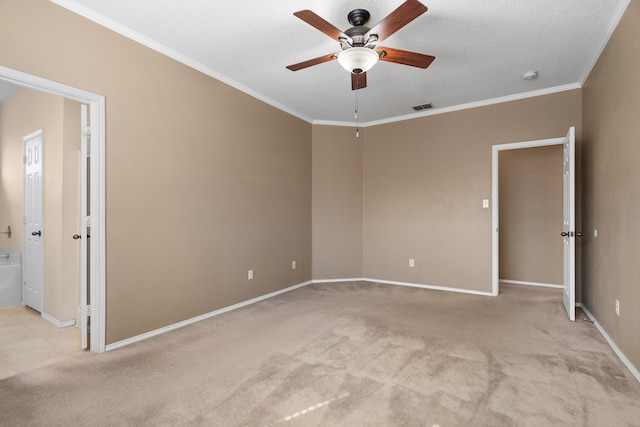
point(617, 308)
point(412, 263)
point(485, 203)
point(294, 265)
point(250, 275)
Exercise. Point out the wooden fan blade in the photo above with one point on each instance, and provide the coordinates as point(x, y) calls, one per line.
point(405, 57)
point(320, 24)
point(405, 13)
point(311, 62)
point(358, 81)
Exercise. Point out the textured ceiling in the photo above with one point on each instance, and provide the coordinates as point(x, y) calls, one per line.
point(482, 49)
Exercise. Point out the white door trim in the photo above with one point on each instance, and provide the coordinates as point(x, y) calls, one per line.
point(85, 140)
point(569, 222)
point(97, 190)
point(495, 236)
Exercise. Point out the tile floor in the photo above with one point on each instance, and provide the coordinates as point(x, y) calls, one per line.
point(27, 341)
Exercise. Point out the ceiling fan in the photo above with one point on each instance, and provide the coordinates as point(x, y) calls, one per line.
point(359, 43)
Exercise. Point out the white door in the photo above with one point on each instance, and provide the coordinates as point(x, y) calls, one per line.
point(569, 224)
point(33, 251)
point(84, 229)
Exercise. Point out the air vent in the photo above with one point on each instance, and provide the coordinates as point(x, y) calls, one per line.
point(423, 107)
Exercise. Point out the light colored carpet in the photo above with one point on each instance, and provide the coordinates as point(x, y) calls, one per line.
point(347, 354)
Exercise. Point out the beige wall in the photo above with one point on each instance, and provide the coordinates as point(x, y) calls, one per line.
point(25, 112)
point(612, 186)
point(337, 202)
point(203, 181)
point(11, 173)
point(414, 190)
point(424, 182)
point(530, 185)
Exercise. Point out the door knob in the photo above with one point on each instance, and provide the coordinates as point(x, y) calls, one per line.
point(76, 236)
point(37, 233)
point(578, 233)
point(564, 234)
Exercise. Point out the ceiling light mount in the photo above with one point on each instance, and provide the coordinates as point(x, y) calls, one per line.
point(530, 75)
point(358, 17)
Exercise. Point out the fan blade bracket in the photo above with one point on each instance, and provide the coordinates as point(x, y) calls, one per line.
point(372, 40)
point(345, 42)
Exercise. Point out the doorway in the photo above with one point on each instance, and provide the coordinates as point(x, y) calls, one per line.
point(39, 197)
point(95, 251)
point(530, 206)
point(568, 216)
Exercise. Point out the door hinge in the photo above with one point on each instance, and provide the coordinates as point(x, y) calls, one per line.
point(87, 141)
point(86, 310)
point(24, 159)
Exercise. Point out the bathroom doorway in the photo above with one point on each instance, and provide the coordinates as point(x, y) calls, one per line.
point(92, 252)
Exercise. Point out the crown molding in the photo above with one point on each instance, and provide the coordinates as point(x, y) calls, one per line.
point(617, 16)
point(467, 106)
point(164, 50)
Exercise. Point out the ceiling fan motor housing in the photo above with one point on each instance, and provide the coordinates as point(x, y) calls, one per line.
point(357, 18)
point(355, 57)
point(357, 35)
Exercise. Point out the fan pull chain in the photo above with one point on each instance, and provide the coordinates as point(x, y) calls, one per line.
point(356, 110)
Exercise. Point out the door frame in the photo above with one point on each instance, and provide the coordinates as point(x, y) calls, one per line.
point(495, 217)
point(97, 265)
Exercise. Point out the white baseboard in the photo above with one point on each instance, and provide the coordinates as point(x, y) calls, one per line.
point(353, 279)
point(634, 371)
point(432, 287)
point(178, 325)
point(542, 285)
point(273, 294)
point(413, 285)
point(56, 322)
point(201, 317)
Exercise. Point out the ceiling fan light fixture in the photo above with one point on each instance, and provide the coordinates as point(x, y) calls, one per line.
point(358, 60)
